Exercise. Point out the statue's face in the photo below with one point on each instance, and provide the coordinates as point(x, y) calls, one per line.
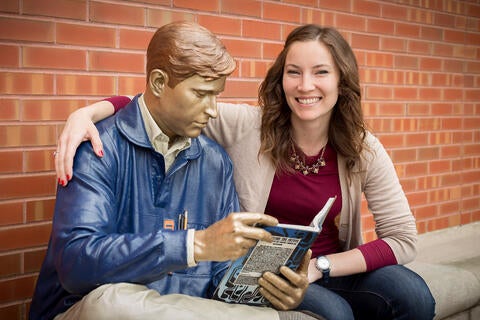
point(185, 109)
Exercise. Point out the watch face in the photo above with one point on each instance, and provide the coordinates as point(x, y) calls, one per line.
point(323, 263)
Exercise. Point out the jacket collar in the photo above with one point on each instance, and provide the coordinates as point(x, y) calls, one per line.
point(130, 123)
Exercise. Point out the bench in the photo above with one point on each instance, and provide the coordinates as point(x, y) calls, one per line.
point(449, 261)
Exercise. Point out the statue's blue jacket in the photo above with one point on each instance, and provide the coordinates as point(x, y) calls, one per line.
point(113, 221)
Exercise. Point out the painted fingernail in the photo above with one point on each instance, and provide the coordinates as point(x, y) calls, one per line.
point(101, 153)
point(68, 177)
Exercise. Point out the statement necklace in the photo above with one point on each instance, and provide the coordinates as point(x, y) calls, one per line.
point(299, 163)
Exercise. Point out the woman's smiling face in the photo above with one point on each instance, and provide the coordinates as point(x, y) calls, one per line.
point(310, 80)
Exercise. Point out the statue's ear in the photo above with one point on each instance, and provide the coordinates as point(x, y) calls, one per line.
point(157, 81)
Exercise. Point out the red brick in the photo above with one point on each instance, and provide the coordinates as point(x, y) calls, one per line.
point(135, 39)
point(117, 13)
point(318, 16)
point(335, 5)
point(221, 25)
point(243, 48)
point(85, 35)
point(11, 265)
point(454, 36)
point(39, 160)
point(431, 33)
point(27, 186)
point(428, 153)
point(406, 62)
point(9, 109)
point(403, 155)
point(11, 213)
point(379, 92)
point(362, 41)
point(271, 50)
point(367, 7)
point(11, 161)
point(444, 20)
point(310, 3)
point(253, 69)
point(17, 289)
point(47, 110)
point(378, 59)
point(430, 64)
point(85, 85)
point(407, 30)
point(204, 5)
point(417, 139)
point(12, 7)
point(54, 58)
point(241, 89)
point(421, 47)
point(13, 312)
point(439, 166)
point(131, 85)
point(117, 61)
point(281, 12)
point(26, 30)
point(33, 260)
point(10, 56)
point(350, 22)
point(158, 18)
point(263, 30)
point(250, 8)
point(26, 135)
point(26, 83)
point(72, 9)
point(380, 26)
point(40, 210)
point(425, 212)
point(394, 12)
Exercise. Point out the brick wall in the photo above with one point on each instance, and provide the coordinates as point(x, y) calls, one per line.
point(420, 73)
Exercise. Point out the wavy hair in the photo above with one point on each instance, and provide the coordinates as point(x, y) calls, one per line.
point(347, 129)
point(184, 49)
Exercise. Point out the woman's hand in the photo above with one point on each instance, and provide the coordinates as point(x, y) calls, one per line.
point(78, 128)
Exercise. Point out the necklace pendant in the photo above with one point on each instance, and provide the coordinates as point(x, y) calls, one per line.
point(297, 166)
point(315, 170)
point(322, 163)
point(305, 172)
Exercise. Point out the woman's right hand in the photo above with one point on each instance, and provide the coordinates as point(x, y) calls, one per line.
point(78, 128)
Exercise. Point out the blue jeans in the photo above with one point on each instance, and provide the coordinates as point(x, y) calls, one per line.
point(392, 292)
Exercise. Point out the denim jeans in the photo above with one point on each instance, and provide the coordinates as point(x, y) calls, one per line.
point(392, 292)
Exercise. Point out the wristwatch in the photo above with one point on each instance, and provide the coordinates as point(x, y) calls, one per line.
point(323, 265)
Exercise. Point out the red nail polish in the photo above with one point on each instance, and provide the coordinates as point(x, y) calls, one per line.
point(101, 153)
point(62, 183)
point(68, 177)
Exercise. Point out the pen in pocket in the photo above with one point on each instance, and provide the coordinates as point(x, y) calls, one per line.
point(183, 220)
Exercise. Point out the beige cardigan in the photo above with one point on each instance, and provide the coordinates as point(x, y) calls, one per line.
point(237, 129)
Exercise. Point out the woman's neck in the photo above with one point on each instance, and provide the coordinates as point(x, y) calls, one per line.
point(310, 137)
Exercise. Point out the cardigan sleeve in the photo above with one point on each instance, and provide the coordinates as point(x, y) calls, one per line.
point(394, 221)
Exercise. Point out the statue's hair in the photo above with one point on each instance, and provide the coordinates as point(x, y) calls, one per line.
point(184, 49)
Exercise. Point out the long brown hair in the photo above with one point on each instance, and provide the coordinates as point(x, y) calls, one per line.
point(347, 129)
point(184, 49)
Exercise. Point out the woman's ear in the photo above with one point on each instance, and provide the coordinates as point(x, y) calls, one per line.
point(157, 81)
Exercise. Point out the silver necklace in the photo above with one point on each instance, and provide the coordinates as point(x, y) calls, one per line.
point(299, 163)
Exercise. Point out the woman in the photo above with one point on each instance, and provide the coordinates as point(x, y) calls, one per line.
point(307, 142)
